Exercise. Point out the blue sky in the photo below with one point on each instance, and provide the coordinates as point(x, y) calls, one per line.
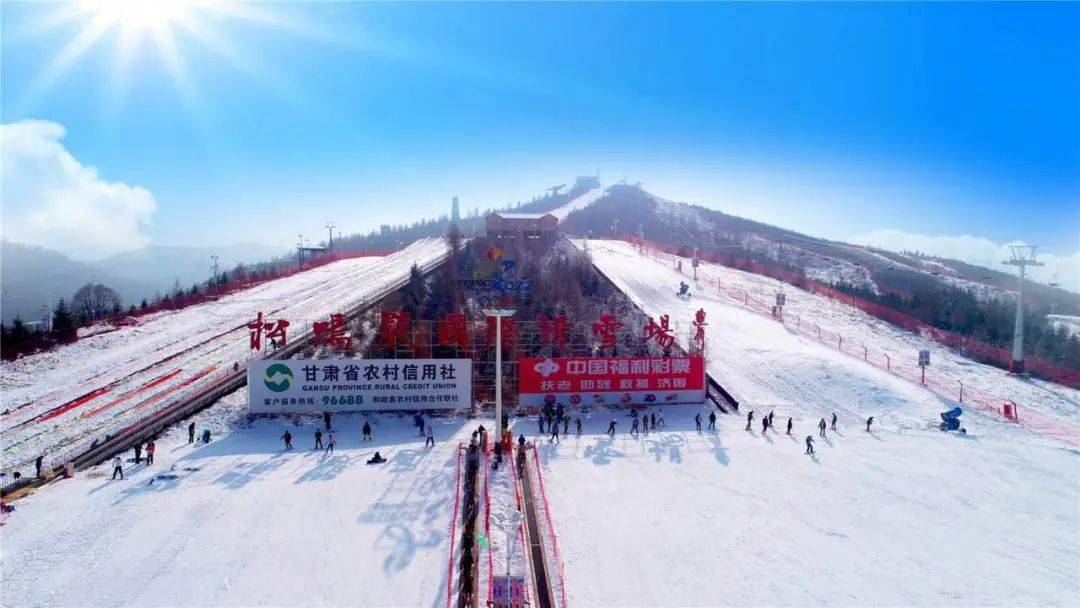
point(839, 120)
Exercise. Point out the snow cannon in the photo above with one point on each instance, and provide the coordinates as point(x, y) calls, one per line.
point(950, 420)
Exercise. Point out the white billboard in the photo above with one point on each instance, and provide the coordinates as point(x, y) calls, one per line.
point(355, 385)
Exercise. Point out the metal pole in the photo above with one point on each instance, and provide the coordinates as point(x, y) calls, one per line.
point(1018, 332)
point(498, 378)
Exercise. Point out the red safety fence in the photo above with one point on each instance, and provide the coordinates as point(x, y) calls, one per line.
point(898, 365)
point(968, 346)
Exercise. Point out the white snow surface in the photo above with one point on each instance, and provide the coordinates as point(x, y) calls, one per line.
point(905, 515)
point(245, 523)
point(169, 353)
point(580, 202)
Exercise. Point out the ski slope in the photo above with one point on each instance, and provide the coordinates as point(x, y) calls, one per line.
point(905, 515)
point(580, 202)
point(59, 401)
point(245, 523)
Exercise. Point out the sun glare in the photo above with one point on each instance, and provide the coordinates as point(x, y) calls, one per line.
point(139, 14)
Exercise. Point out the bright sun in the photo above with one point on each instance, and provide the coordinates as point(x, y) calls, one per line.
point(140, 14)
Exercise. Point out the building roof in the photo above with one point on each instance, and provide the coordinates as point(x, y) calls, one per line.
point(522, 216)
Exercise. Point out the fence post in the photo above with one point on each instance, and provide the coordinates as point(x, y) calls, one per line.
point(961, 391)
point(865, 353)
point(888, 363)
point(840, 342)
point(818, 332)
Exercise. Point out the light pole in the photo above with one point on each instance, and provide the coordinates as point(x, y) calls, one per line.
point(498, 314)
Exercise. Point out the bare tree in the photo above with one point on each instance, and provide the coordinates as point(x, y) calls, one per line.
point(95, 300)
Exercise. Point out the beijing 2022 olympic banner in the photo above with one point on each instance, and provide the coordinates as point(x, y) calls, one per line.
point(622, 380)
point(351, 385)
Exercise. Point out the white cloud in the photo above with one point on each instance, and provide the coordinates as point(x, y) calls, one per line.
point(53, 200)
point(977, 250)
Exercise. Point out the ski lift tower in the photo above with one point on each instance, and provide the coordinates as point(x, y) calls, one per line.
point(1022, 256)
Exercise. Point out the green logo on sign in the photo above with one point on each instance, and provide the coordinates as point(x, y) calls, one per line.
point(278, 377)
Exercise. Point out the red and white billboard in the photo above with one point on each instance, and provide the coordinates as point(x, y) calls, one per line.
point(612, 380)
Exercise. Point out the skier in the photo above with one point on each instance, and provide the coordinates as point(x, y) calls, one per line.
point(821, 427)
point(749, 419)
point(430, 438)
point(566, 425)
point(420, 423)
point(117, 468)
point(318, 440)
point(288, 440)
point(834, 421)
point(809, 444)
point(330, 444)
point(577, 424)
point(37, 464)
point(376, 459)
point(326, 419)
point(540, 419)
point(652, 421)
point(191, 433)
point(367, 431)
point(521, 441)
point(764, 425)
point(150, 447)
point(498, 456)
point(712, 421)
point(770, 419)
point(634, 427)
point(138, 452)
point(790, 423)
point(660, 418)
point(559, 411)
point(611, 427)
point(869, 421)
point(697, 420)
point(206, 435)
point(554, 433)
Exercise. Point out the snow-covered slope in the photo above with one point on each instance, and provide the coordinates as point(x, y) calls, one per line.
point(244, 523)
point(580, 202)
point(130, 372)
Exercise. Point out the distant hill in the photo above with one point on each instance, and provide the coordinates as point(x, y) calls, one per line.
point(31, 276)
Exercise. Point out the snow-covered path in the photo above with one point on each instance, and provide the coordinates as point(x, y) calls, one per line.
point(579, 202)
point(245, 523)
point(131, 372)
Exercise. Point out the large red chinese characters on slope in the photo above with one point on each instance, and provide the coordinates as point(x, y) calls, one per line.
point(331, 333)
point(605, 330)
point(275, 332)
point(699, 329)
point(625, 380)
point(394, 327)
point(454, 330)
point(661, 333)
point(553, 330)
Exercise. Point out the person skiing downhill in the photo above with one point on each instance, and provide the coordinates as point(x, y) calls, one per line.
point(660, 418)
point(611, 427)
point(191, 433)
point(652, 421)
point(821, 427)
point(367, 431)
point(790, 423)
point(834, 421)
point(287, 437)
point(151, 447)
point(540, 419)
point(420, 422)
point(554, 433)
point(577, 424)
point(809, 444)
point(566, 425)
point(330, 444)
point(118, 468)
point(712, 421)
point(634, 427)
point(318, 440)
point(770, 418)
point(749, 419)
point(869, 421)
point(697, 420)
point(138, 452)
point(430, 438)
point(764, 425)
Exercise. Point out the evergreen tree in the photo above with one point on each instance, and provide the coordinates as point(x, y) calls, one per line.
point(63, 325)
